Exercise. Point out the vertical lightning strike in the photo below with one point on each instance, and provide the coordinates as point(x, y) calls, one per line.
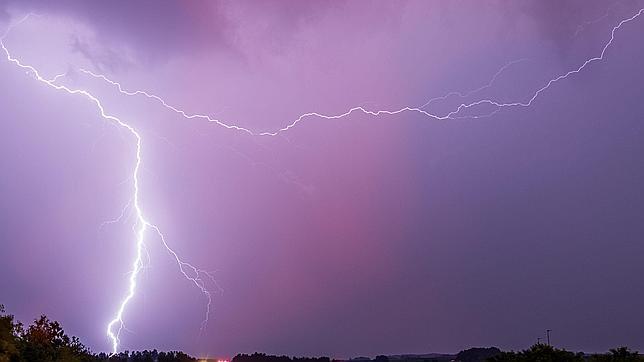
point(137, 263)
point(141, 225)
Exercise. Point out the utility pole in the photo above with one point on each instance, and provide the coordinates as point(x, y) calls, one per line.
point(548, 335)
point(538, 340)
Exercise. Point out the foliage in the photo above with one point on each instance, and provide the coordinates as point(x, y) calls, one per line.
point(262, 357)
point(621, 354)
point(45, 341)
point(477, 354)
point(539, 353)
point(145, 356)
point(9, 337)
point(545, 353)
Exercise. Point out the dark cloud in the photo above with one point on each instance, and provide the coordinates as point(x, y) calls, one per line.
point(560, 22)
point(159, 28)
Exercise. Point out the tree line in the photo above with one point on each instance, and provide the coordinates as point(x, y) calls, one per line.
point(545, 353)
point(262, 357)
point(45, 340)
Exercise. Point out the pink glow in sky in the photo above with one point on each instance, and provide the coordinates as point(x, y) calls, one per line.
point(362, 235)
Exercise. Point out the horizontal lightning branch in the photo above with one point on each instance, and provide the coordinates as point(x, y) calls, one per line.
point(454, 114)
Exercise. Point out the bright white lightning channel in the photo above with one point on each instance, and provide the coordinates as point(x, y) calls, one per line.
point(454, 114)
point(190, 272)
point(193, 274)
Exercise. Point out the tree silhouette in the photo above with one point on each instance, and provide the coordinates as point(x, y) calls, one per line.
point(262, 357)
point(9, 334)
point(620, 354)
point(539, 353)
point(45, 341)
point(477, 354)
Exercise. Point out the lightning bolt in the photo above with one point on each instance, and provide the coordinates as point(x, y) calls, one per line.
point(477, 90)
point(141, 225)
point(585, 24)
point(454, 114)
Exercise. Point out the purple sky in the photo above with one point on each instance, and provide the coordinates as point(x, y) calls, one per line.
point(356, 236)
